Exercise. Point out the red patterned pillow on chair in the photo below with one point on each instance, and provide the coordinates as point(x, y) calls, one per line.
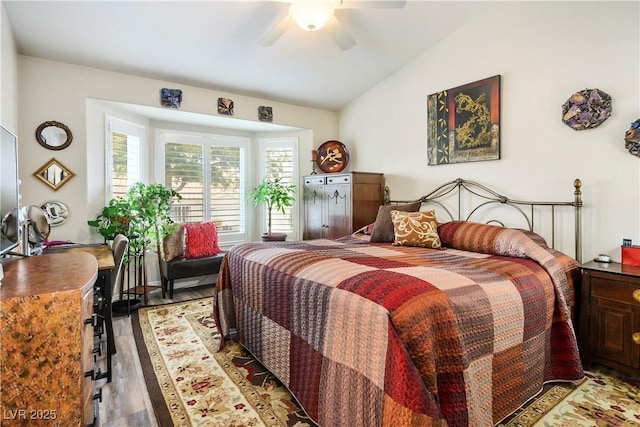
point(201, 239)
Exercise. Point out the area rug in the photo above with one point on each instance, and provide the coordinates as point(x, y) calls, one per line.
point(190, 384)
point(604, 398)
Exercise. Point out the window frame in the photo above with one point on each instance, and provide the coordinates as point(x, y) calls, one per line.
point(116, 124)
point(208, 140)
point(278, 142)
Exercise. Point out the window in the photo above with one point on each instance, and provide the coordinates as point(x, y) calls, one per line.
point(209, 171)
point(124, 156)
point(278, 160)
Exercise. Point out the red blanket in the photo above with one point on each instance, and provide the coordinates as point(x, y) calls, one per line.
point(375, 334)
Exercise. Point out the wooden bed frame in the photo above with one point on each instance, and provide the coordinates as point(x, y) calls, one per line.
point(473, 198)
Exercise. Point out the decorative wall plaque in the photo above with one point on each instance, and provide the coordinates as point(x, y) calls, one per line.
point(170, 97)
point(265, 114)
point(225, 106)
point(586, 109)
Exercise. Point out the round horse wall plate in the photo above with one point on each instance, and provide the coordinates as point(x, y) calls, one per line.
point(333, 156)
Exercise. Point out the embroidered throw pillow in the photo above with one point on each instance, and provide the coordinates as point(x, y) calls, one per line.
point(416, 229)
point(383, 227)
point(173, 244)
point(201, 239)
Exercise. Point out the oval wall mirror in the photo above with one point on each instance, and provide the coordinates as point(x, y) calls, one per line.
point(54, 135)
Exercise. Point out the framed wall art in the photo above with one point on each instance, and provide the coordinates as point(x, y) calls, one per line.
point(463, 123)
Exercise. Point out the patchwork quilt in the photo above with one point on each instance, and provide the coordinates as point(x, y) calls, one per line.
point(380, 335)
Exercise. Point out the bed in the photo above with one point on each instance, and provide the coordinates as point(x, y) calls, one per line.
point(378, 334)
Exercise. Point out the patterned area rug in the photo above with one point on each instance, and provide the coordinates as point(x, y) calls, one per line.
point(190, 384)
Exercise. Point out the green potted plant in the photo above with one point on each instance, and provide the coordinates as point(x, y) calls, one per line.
point(115, 218)
point(151, 221)
point(275, 194)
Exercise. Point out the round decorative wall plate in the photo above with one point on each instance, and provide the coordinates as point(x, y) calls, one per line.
point(57, 212)
point(333, 156)
point(586, 109)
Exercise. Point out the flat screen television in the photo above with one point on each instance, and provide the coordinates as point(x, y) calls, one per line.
point(9, 191)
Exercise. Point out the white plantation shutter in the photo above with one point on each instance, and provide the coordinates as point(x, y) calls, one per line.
point(227, 188)
point(124, 156)
point(279, 161)
point(184, 173)
point(208, 171)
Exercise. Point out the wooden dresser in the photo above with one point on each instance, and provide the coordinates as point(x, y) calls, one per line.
point(610, 316)
point(338, 204)
point(47, 340)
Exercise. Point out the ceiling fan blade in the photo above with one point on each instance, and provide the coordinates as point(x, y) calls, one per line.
point(339, 34)
point(371, 4)
point(276, 32)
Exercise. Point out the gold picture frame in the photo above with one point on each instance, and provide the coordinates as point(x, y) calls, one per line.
point(54, 174)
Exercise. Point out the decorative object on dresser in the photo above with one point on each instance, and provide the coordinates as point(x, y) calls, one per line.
point(586, 109)
point(170, 97)
point(47, 343)
point(54, 174)
point(54, 135)
point(610, 316)
point(336, 205)
point(332, 156)
point(275, 194)
point(632, 138)
point(463, 123)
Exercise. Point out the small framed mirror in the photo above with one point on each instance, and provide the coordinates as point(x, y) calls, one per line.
point(54, 135)
point(54, 174)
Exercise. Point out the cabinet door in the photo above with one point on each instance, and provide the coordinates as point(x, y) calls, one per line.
point(313, 212)
point(87, 357)
point(614, 323)
point(338, 202)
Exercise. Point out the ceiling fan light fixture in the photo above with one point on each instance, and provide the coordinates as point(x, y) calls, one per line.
point(311, 15)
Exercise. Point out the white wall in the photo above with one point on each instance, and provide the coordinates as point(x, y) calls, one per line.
point(544, 51)
point(8, 74)
point(70, 94)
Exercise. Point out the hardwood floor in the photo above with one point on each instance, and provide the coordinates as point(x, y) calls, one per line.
point(125, 401)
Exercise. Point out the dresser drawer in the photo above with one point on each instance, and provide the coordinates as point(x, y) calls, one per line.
point(615, 289)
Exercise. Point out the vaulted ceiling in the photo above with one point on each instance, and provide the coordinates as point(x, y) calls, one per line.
point(215, 44)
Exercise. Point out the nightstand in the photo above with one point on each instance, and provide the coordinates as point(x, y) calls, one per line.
point(610, 316)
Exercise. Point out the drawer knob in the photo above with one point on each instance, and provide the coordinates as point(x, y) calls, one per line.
point(636, 338)
point(636, 295)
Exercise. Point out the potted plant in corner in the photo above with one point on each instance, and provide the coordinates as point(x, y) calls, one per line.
point(274, 194)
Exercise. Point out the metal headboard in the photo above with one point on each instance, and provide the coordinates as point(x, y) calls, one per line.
point(485, 196)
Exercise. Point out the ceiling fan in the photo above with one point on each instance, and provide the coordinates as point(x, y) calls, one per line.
point(313, 15)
